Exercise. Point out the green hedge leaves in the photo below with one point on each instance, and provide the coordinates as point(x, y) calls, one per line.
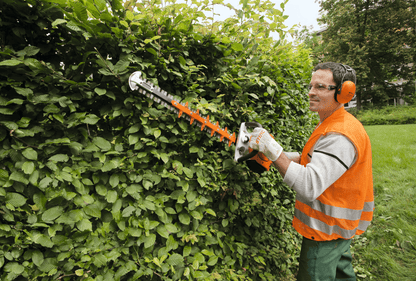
point(101, 183)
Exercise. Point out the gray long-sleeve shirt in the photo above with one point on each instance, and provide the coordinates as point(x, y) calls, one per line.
point(331, 156)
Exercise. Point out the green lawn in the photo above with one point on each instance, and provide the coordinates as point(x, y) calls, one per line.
point(387, 250)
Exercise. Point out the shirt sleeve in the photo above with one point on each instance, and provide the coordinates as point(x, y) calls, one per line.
point(332, 155)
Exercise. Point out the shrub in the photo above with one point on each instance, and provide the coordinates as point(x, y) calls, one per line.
point(101, 183)
point(389, 115)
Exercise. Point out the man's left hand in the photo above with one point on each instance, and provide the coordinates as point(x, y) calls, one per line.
point(262, 141)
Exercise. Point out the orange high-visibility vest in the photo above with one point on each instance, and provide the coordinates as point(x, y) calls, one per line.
point(346, 207)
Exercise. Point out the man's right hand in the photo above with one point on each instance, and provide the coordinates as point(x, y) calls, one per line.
point(262, 141)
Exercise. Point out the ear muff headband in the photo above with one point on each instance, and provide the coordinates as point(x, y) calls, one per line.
point(346, 90)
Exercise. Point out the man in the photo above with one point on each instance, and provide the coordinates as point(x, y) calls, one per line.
point(332, 178)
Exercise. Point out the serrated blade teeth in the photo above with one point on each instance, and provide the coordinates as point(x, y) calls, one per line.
point(169, 101)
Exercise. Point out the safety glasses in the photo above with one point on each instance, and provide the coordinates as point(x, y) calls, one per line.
point(321, 87)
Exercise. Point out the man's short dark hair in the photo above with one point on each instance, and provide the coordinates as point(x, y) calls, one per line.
point(338, 71)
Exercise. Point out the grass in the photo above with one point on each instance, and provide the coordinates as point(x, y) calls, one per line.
point(387, 250)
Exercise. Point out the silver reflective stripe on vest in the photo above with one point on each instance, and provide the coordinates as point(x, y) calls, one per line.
point(323, 227)
point(368, 206)
point(337, 212)
point(363, 225)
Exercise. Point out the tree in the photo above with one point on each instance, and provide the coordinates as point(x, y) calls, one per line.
point(308, 38)
point(376, 38)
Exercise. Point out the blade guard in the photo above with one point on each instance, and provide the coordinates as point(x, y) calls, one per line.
point(256, 161)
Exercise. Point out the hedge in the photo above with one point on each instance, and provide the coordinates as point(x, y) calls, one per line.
point(98, 182)
point(388, 115)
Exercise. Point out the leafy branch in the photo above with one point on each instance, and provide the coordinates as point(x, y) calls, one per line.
point(105, 62)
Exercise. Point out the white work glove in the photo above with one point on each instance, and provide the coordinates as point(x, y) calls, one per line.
point(262, 141)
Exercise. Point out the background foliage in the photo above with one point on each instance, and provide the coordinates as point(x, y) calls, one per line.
point(389, 115)
point(100, 183)
point(374, 37)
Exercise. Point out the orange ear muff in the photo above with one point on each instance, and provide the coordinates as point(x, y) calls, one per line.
point(346, 93)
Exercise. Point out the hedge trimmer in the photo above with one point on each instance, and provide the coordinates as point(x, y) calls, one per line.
point(256, 161)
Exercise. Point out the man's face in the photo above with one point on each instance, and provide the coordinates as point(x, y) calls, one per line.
point(321, 99)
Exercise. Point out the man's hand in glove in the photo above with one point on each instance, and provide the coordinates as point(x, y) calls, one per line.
point(262, 141)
